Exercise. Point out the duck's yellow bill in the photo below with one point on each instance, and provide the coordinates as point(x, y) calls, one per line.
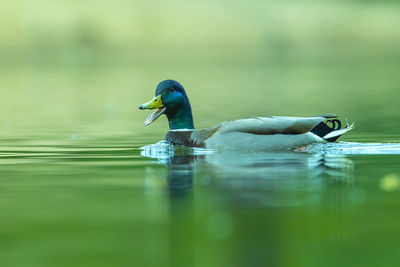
point(152, 104)
point(156, 102)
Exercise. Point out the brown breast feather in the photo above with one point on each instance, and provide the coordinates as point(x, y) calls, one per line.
point(182, 138)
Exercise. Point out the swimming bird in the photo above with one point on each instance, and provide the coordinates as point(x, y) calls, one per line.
point(259, 133)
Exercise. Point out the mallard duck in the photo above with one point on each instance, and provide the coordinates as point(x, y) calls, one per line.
point(260, 133)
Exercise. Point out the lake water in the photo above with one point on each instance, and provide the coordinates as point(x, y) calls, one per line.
point(84, 183)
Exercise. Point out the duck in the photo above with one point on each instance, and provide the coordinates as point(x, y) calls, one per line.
point(271, 133)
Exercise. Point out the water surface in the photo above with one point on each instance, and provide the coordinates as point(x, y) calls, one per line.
point(80, 185)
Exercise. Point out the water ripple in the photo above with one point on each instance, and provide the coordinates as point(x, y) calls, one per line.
point(165, 150)
point(353, 148)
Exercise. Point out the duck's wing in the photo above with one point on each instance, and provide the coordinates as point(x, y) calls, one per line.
point(273, 125)
point(262, 126)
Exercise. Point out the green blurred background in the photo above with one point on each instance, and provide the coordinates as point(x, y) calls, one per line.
point(71, 60)
point(75, 190)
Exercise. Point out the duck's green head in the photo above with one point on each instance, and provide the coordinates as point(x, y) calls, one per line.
point(170, 99)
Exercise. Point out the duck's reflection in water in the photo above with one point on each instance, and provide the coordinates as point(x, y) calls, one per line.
point(181, 210)
point(209, 193)
point(258, 174)
point(278, 179)
point(180, 174)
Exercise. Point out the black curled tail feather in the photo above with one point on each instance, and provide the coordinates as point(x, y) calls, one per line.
point(322, 129)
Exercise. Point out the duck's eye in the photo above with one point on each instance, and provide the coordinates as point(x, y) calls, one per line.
point(171, 90)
